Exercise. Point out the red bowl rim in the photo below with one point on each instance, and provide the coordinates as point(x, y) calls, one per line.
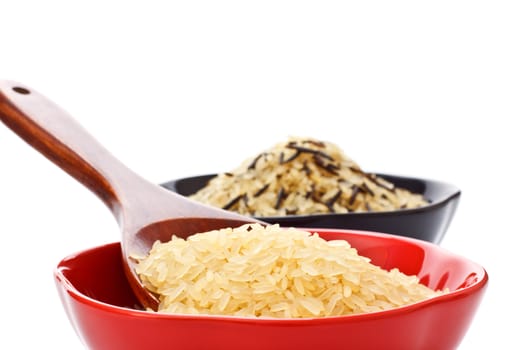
point(481, 282)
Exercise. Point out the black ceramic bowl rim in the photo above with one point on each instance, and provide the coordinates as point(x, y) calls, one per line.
point(429, 223)
point(449, 193)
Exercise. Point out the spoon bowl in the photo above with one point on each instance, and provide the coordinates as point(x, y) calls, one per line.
point(145, 212)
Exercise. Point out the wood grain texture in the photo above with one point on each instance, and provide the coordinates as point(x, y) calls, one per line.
point(144, 211)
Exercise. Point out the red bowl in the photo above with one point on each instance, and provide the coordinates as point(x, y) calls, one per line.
point(106, 315)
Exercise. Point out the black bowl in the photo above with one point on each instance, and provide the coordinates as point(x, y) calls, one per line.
point(428, 223)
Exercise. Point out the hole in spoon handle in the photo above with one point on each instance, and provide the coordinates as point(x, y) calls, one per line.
point(51, 131)
point(21, 90)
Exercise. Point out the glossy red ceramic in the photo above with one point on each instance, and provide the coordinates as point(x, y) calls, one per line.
point(105, 314)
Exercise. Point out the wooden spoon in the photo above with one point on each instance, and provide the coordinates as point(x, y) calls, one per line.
point(144, 211)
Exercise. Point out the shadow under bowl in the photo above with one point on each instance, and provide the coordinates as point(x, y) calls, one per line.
point(429, 223)
point(105, 314)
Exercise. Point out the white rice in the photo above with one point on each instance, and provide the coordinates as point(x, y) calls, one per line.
point(258, 271)
point(303, 176)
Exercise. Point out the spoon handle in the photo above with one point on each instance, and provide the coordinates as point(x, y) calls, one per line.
point(49, 129)
point(134, 201)
point(46, 127)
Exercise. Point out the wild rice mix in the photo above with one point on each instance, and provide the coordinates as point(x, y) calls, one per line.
point(304, 176)
point(257, 271)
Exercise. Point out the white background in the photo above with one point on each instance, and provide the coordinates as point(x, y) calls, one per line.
point(179, 88)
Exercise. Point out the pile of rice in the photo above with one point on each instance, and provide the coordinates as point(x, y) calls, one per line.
point(303, 176)
point(257, 271)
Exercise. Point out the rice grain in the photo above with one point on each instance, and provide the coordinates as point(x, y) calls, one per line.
point(268, 271)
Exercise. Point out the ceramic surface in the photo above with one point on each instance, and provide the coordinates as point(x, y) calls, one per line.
point(428, 223)
point(105, 314)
